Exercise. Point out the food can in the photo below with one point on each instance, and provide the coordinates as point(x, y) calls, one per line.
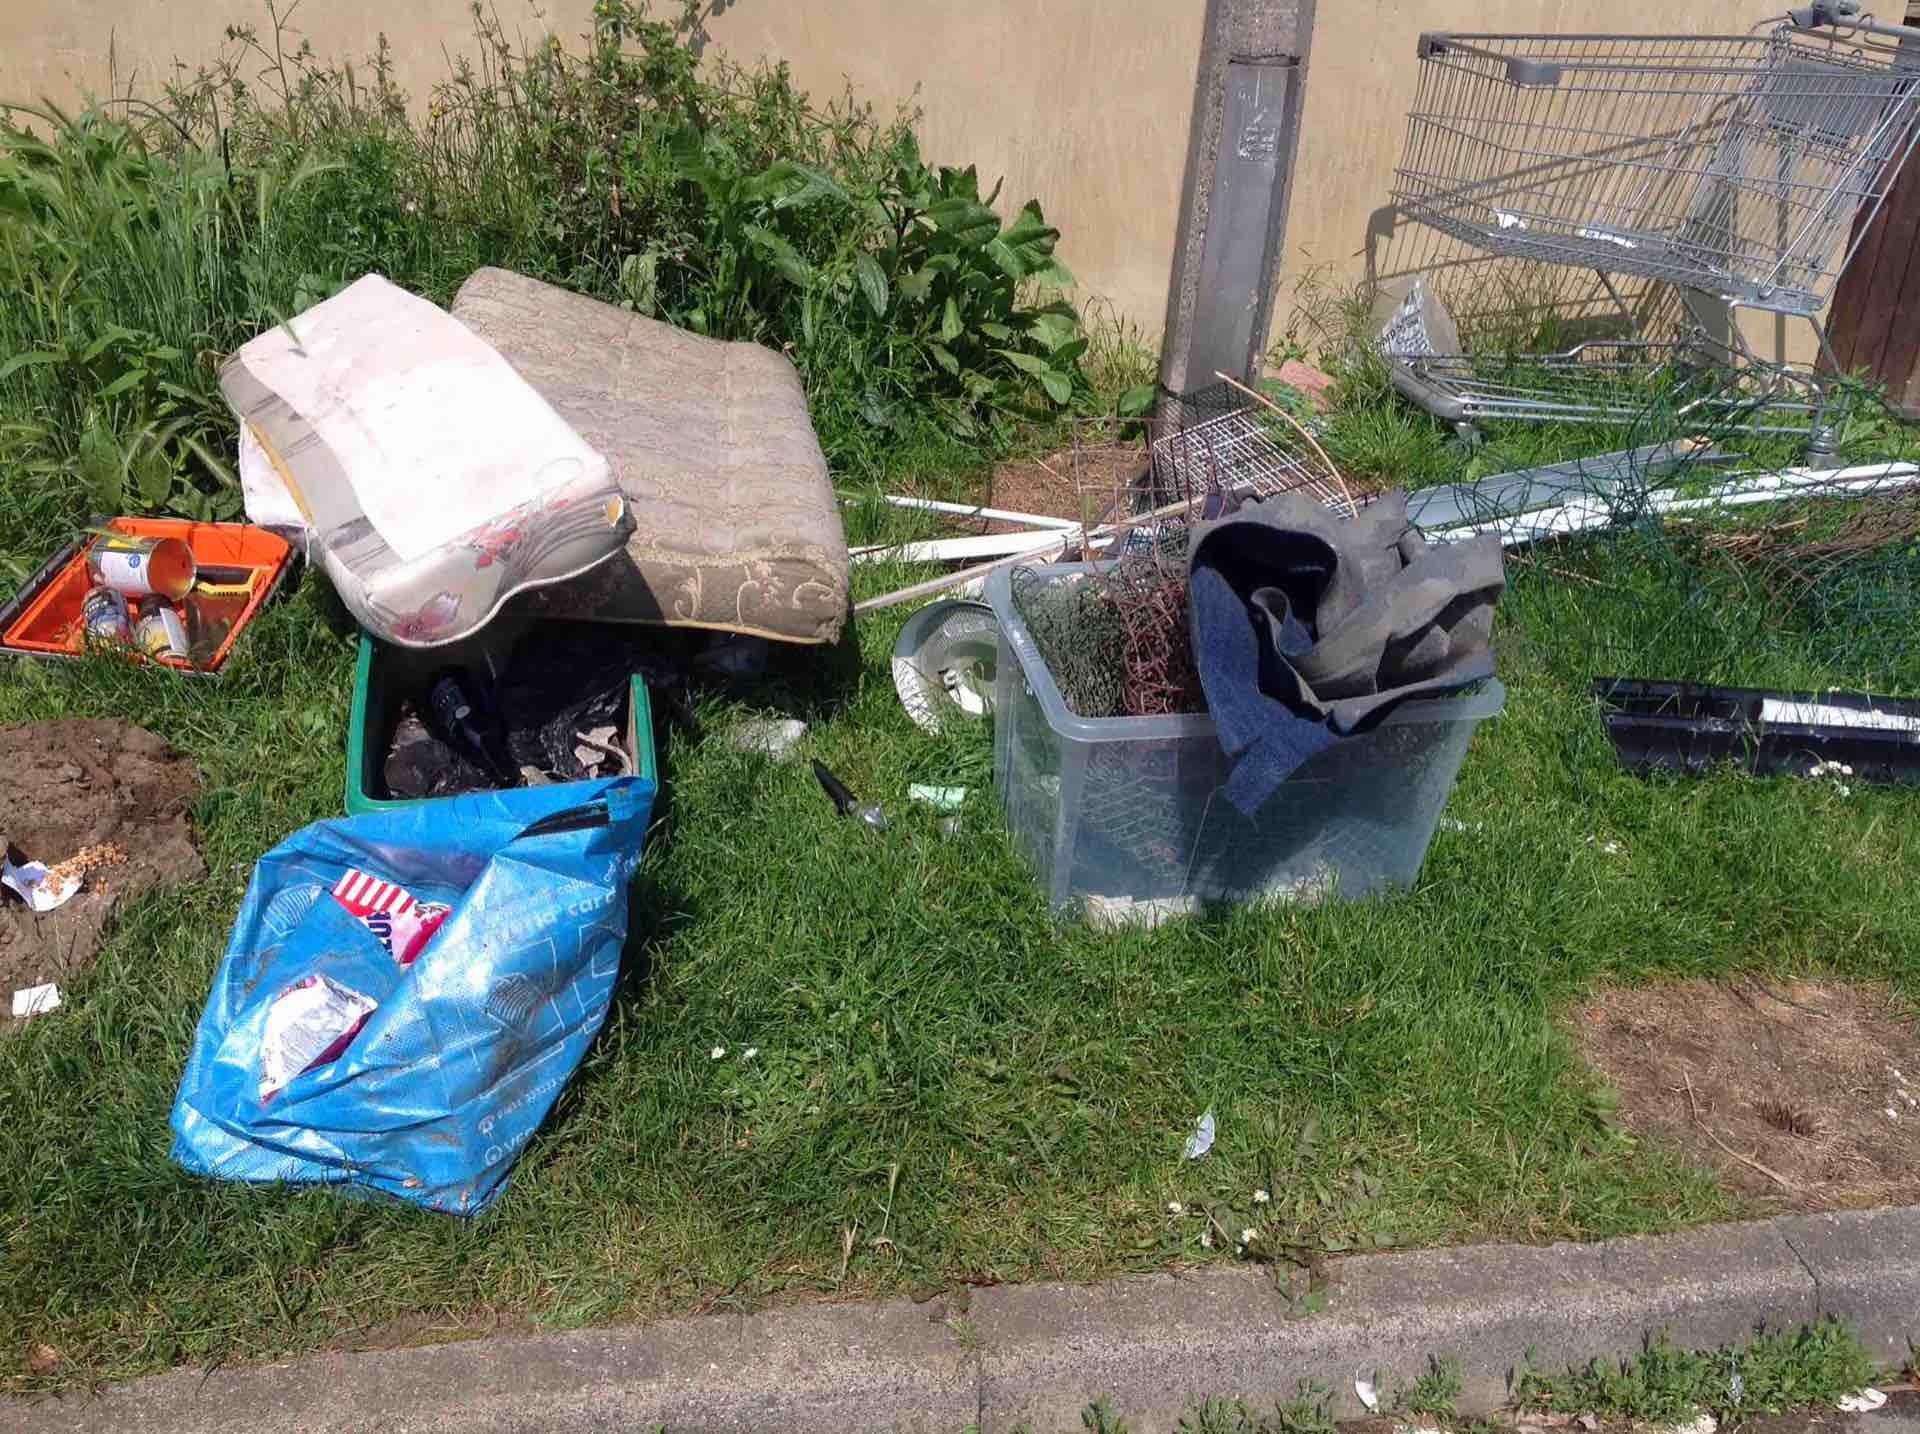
point(136, 567)
point(103, 616)
point(160, 631)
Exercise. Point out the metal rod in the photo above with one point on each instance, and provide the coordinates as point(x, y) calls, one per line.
point(1059, 543)
point(967, 510)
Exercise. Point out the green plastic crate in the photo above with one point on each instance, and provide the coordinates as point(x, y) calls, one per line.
point(376, 709)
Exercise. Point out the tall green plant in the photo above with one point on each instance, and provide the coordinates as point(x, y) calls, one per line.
point(906, 279)
point(124, 273)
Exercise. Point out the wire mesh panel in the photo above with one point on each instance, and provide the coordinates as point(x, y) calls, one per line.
point(1218, 445)
point(1730, 164)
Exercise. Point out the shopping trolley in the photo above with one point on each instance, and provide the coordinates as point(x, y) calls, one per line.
point(1746, 168)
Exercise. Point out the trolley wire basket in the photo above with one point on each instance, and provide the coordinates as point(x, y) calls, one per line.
point(1692, 379)
point(1612, 381)
point(1735, 165)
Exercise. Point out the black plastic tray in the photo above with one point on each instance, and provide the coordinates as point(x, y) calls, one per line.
point(1689, 727)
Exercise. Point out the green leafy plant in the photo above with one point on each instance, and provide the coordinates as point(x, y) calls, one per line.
point(913, 265)
point(1309, 1412)
point(1777, 1370)
point(127, 269)
point(1434, 1393)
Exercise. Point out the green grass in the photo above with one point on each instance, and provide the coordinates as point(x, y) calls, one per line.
point(1660, 1386)
point(931, 1043)
point(1665, 1383)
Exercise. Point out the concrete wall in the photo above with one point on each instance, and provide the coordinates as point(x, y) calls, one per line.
point(1082, 103)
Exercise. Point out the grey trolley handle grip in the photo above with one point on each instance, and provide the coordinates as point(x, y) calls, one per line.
point(1845, 15)
point(1531, 73)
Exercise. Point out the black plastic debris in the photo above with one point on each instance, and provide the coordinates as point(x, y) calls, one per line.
point(1691, 727)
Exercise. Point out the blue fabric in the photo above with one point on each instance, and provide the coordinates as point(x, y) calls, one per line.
point(437, 1093)
point(1265, 738)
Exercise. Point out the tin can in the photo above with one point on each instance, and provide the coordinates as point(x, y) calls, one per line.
point(160, 631)
point(136, 567)
point(103, 616)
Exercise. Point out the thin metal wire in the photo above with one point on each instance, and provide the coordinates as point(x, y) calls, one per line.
point(1731, 164)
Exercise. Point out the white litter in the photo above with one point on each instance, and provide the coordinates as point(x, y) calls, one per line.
point(950, 550)
point(1368, 1392)
point(1835, 770)
point(1826, 714)
point(596, 742)
point(1699, 1424)
point(309, 1024)
point(31, 882)
point(1201, 1141)
point(968, 510)
point(1507, 220)
point(1120, 913)
point(941, 799)
point(774, 737)
point(1862, 1401)
point(35, 1001)
point(1587, 512)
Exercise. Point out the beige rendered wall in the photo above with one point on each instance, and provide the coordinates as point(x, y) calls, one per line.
point(1082, 103)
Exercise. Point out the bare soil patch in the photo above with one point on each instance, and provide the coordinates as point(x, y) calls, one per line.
point(79, 784)
point(1053, 484)
point(1803, 1094)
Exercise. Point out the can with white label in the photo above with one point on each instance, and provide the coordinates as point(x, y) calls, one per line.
point(103, 616)
point(138, 566)
point(160, 631)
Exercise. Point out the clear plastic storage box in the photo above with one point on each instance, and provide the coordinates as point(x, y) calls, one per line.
point(1130, 809)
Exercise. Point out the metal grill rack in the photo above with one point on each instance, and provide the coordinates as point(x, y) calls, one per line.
point(1219, 441)
point(1700, 384)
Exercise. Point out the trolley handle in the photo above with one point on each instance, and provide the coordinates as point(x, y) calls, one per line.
point(1845, 15)
point(1534, 74)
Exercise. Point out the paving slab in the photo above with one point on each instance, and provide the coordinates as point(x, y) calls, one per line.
point(821, 1369)
point(1866, 1270)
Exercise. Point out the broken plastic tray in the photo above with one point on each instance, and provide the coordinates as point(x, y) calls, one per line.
point(1690, 727)
point(43, 618)
point(385, 674)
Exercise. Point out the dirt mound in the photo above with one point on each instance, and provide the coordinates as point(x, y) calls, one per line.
point(80, 784)
point(1804, 1094)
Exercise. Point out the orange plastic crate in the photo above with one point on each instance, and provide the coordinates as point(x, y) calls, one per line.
point(44, 620)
